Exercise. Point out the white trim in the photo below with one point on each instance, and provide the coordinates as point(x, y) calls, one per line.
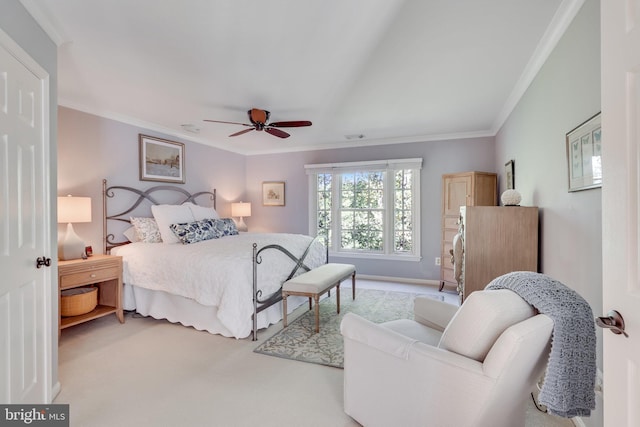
point(375, 256)
point(406, 280)
point(563, 17)
point(413, 163)
point(52, 30)
point(389, 167)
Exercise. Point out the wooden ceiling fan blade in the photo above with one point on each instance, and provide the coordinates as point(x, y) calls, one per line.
point(242, 132)
point(276, 132)
point(229, 123)
point(291, 124)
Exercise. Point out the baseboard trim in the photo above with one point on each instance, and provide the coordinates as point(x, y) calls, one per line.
point(399, 280)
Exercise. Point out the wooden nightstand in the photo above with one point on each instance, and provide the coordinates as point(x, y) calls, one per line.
point(104, 271)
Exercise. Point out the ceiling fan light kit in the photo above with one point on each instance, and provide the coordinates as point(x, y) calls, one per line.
point(259, 121)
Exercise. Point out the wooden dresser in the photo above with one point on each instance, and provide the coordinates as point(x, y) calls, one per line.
point(103, 271)
point(496, 240)
point(461, 189)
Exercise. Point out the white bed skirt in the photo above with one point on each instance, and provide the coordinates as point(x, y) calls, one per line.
point(178, 309)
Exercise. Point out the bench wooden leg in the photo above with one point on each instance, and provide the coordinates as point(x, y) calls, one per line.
point(338, 297)
point(310, 305)
point(316, 297)
point(284, 310)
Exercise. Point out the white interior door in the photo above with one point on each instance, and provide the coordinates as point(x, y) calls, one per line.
point(621, 208)
point(25, 291)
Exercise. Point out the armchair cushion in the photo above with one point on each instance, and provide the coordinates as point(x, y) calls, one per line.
point(433, 313)
point(481, 320)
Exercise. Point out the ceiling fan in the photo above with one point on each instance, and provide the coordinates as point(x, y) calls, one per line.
point(259, 119)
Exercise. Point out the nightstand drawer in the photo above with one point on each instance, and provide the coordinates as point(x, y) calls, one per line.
point(89, 277)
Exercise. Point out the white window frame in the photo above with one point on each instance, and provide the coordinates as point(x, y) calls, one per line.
point(389, 166)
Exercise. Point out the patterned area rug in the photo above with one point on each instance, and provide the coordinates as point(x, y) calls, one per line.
point(300, 342)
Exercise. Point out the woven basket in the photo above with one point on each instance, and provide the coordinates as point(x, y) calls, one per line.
point(77, 301)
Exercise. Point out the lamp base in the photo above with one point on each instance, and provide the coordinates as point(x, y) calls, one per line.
point(240, 225)
point(71, 246)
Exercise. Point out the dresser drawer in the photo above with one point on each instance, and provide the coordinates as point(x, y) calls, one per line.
point(89, 277)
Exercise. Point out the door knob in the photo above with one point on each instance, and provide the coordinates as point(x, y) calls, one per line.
point(614, 322)
point(42, 261)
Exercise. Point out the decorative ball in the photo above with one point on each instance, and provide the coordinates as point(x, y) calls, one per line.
point(510, 198)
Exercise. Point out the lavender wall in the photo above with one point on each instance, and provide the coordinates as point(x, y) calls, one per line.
point(565, 92)
point(92, 148)
point(439, 157)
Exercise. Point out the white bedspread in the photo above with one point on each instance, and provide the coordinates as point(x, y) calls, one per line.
point(217, 272)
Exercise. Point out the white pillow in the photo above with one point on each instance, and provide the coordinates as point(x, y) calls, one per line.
point(131, 234)
point(483, 317)
point(166, 215)
point(202, 212)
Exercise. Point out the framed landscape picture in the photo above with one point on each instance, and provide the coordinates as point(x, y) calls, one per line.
point(273, 193)
point(161, 160)
point(584, 155)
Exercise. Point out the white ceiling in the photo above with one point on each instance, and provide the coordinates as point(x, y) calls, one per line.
point(392, 70)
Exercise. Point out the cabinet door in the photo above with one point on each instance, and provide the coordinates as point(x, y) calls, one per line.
point(456, 192)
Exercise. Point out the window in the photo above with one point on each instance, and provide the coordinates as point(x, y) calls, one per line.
point(367, 209)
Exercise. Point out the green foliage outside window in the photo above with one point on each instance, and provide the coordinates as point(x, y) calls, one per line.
point(362, 209)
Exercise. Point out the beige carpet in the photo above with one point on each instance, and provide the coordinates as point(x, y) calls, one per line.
point(150, 372)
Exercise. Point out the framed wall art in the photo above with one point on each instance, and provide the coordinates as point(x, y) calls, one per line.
point(509, 174)
point(273, 193)
point(584, 155)
point(161, 160)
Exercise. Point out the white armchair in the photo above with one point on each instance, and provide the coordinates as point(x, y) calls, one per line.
point(473, 366)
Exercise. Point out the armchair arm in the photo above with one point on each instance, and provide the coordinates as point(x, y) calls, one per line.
point(391, 343)
point(433, 313)
point(376, 336)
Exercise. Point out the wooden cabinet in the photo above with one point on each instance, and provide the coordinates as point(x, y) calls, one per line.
point(461, 189)
point(103, 271)
point(496, 240)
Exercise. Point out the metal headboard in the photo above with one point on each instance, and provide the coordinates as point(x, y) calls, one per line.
point(142, 195)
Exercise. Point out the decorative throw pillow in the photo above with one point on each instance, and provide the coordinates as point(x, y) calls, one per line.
point(146, 230)
point(202, 212)
point(166, 215)
point(193, 232)
point(225, 227)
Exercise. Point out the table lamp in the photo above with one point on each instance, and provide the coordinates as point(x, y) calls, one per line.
point(70, 210)
point(241, 209)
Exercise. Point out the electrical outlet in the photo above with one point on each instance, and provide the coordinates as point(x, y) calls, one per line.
point(437, 260)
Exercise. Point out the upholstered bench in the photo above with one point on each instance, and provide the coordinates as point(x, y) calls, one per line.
point(316, 282)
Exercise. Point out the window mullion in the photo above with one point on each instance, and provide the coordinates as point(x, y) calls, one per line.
point(336, 224)
point(389, 204)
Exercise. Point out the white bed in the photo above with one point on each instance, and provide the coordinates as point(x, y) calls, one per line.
point(208, 285)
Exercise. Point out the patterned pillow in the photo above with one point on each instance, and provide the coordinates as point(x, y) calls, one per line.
point(225, 227)
point(206, 229)
point(146, 229)
point(193, 232)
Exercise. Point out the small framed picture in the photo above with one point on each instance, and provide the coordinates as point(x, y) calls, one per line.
point(273, 193)
point(161, 160)
point(584, 155)
point(509, 174)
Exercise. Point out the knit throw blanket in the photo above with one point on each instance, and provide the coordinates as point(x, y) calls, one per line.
point(568, 388)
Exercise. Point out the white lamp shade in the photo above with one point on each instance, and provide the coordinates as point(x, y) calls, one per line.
point(242, 209)
point(74, 209)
